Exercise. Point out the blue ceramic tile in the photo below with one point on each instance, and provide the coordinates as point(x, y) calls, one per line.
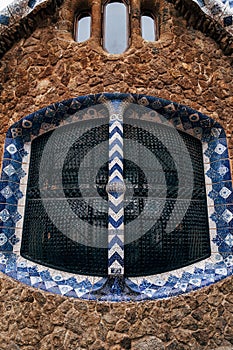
point(14, 186)
point(22, 274)
point(8, 232)
point(7, 246)
point(219, 171)
point(99, 284)
point(198, 271)
point(71, 294)
point(228, 21)
point(12, 209)
point(9, 216)
point(14, 150)
point(222, 193)
point(217, 150)
point(26, 280)
point(226, 247)
point(201, 3)
point(228, 240)
point(223, 232)
point(32, 3)
point(133, 286)
point(223, 216)
point(33, 271)
point(3, 239)
point(12, 171)
point(18, 143)
point(9, 193)
point(5, 215)
point(13, 240)
point(45, 275)
point(4, 20)
point(217, 132)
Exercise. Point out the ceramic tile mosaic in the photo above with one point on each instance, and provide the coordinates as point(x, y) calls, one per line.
point(220, 10)
point(115, 190)
point(117, 288)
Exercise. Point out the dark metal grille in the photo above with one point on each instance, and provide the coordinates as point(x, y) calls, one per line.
point(42, 241)
point(156, 251)
point(160, 250)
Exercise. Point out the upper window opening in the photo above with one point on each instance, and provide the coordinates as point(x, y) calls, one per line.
point(116, 27)
point(148, 26)
point(82, 30)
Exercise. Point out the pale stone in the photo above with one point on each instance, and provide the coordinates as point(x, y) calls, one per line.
point(148, 343)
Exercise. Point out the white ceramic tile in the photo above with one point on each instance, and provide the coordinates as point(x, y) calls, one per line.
point(212, 224)
point(24, 180)
point(27, 148)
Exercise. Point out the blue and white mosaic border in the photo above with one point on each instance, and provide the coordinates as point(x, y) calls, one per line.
point(13, 185)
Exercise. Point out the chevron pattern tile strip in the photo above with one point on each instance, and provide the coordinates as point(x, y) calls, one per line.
point(116, 190)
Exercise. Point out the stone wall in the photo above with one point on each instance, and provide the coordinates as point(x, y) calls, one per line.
point(185, 66)
point(34, 320)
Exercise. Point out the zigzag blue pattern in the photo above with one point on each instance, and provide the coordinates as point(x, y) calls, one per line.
point(115, 223)
point(116, 154)
point(116, 167)
point(115, 240)
point(115, 131)
point(114, 207)
point(115, 257)
point(116, 194)
point(114, 143)
point(116, 179)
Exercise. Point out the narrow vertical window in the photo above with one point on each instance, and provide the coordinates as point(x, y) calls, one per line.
point(148, 27)
point(116, 27)
point(82, 30)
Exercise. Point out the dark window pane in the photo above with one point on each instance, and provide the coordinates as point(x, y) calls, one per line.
point(83, 28)
point(160, 250)
point(46, 238)
point(116, 34)
point(148, 28)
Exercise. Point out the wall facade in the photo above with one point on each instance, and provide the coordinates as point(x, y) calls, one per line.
point(33, 320)
point(184, 66)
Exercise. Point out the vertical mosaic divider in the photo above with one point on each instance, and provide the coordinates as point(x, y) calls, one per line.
point(116, 190)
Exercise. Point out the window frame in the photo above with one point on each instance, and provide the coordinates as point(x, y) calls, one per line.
point(80, 15)
point(151, 14)
point(103, 22)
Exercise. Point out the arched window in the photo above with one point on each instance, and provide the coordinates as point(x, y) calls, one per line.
point(148, 26)
point(82, 28)
point(118, 193)
point(115, 27)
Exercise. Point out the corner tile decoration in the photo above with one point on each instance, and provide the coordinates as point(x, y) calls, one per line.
point(116, 287)
point(220, 10)
point(15, 10)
